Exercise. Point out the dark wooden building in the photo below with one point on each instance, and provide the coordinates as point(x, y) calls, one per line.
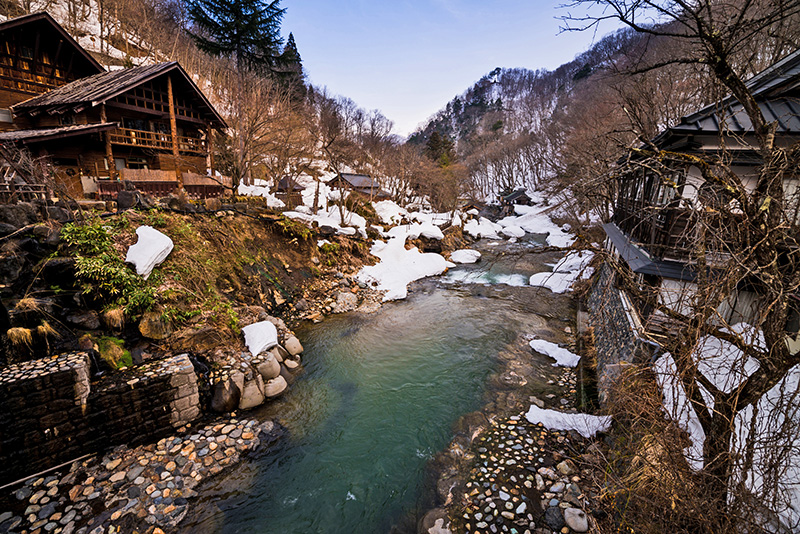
point(359, 183)
point(149, 125)
point(289, 191)
point(36, 56)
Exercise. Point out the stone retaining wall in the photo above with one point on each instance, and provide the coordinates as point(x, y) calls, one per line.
point(616, 340)
point(50, 413)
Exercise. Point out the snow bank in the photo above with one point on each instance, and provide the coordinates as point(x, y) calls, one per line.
point(586, 425)
point(260, 191)
point(563, 357)
point(260, 337)
point(152, 248)
point(535, 220)
point(512, 231)
point(399, 267)
point(345, 222)
point(483, 228)
point(566, 272)
point(465, 255)
point(722, 364)
point(390, 212)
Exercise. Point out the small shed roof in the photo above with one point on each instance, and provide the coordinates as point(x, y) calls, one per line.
point(516, 195)
point(283, 185)
point(100, 88)
point(359, 181)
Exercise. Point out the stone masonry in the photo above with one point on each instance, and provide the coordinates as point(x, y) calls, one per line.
point(50, 413)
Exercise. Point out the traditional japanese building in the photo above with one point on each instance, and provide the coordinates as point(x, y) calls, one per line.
point(149, 125)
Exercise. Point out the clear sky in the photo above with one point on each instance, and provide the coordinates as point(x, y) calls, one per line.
point(408, 58)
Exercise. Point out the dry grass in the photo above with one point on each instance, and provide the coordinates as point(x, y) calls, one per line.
point(20, 336)
point(45, 330)
point(648, 487)
point(27, 305)
point(114, 318)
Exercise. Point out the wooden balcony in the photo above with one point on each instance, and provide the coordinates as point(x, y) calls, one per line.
point(156, 140)
point(668, 232)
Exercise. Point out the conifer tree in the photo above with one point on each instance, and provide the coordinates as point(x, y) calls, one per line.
point(247, 31)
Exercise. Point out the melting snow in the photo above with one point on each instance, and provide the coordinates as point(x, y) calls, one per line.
point(563, 357)
point(152, 248)
point(586, 425)
point(260, 337)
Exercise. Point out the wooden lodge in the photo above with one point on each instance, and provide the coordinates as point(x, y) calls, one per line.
point(362, 184)
point(149, 125)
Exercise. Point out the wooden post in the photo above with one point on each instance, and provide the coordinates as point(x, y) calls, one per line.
point(210, 149)
point(109, 153)
point(173, 124)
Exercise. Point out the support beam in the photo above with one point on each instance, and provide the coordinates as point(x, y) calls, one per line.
point(173, 124)
point(210, 148)
point(112, 168)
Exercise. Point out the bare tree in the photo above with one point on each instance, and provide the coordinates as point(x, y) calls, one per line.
point(742, 232)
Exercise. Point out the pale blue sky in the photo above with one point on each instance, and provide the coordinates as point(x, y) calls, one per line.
point(408, 58)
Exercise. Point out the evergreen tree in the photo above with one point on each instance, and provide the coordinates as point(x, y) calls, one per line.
point(248, 31)
point(289, 70)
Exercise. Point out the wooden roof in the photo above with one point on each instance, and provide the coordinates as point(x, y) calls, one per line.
point(283, 185)
point(100, 88)
point(45, 21)
point(49, 134)
point(359, 181)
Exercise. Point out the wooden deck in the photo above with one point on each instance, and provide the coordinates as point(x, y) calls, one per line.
point(156, 140)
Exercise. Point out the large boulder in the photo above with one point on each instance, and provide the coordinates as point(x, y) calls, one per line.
point(269, 368)
point(274, 387)
point(293, 346)
point(154, 326)
point(253, 393)
point(226, 396)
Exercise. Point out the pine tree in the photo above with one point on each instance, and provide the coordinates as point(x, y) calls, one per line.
point(247, 31)
point(289, 70)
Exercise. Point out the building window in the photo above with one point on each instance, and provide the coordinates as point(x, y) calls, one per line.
point(66, 120)
point(137, 163)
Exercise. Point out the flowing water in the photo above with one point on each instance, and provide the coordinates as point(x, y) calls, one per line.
point(377, 400)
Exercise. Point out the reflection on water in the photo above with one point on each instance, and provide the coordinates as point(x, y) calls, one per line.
point(377, 399)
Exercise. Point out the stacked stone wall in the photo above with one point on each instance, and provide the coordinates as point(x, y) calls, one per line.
point(50, 413)
point(616, 341)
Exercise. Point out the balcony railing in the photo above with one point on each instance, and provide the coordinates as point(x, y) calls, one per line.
point(156, 140)
point(673, 232)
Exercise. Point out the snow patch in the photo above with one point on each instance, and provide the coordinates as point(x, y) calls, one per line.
point(465, 255)
point(563, 357)
point(586, 425)
point(260, 337)
point(152, 248)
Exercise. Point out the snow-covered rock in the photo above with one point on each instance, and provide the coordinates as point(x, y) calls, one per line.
point(483, 228)
point(465, 255)
point(260, 336)
point(152, 248)
point(389, 212)
point(260, 191)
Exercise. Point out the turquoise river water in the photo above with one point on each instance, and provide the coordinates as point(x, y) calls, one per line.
point(378, 398)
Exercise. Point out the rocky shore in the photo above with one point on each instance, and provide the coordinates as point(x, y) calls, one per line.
point(521, 478)
point(142, 489)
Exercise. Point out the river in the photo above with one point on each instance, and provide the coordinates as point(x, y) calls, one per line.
point(377, 399)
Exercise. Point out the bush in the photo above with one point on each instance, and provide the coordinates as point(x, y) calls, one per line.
point(101, 270)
